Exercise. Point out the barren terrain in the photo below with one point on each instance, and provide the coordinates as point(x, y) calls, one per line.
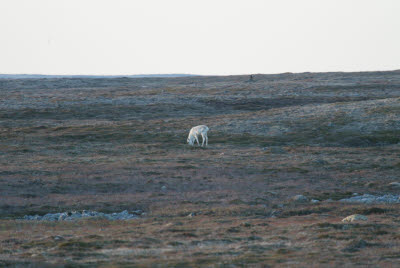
point(112, 144)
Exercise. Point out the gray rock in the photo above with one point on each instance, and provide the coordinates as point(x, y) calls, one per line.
point(164, 188)
point(137, 212)
point(314, 201)
point(299, 199)
point(371, 199)
point(355, 217)
point(74, 215)
point(50, 217)
point(394, 184)
point(58, 238)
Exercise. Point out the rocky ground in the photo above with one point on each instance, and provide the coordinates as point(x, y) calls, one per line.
point(96, 172)
point(76, 215)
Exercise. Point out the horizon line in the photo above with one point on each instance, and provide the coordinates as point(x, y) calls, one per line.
point(182, 74)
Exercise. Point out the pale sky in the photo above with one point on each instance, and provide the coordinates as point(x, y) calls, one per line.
point(215, 37)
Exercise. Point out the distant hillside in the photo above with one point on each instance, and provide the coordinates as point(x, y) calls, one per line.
point(30, 76)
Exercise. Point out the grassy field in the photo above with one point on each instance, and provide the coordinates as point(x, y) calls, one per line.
point(112, 144)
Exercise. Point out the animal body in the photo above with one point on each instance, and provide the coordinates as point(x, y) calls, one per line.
point(195, 132)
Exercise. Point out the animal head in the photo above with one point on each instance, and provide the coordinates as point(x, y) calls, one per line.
point(190, 139)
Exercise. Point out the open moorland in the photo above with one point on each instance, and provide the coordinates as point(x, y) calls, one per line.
point(114, 144)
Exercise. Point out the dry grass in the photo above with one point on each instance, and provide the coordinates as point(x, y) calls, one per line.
point(204, 240)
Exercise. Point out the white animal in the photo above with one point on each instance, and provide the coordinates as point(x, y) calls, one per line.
point(195, 131)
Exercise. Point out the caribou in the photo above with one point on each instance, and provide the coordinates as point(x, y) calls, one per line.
point(195, 132)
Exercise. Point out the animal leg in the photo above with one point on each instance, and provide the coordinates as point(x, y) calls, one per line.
point(198, 143)
point(206, 140)
point(202, 135)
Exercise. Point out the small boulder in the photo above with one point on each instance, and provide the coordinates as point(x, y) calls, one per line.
point(164, 188)
point(137, 212)
point(355, 217)
point(299, 198)
point(314, 201)
point(62, 216)
point(394, 184)
point(58, 238)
